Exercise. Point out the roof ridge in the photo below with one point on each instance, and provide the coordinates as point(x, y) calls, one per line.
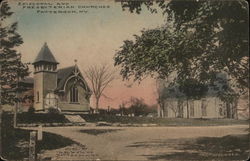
point(45, 55)
point(66, 67)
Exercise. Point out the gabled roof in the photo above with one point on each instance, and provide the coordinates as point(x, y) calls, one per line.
point(45, 55)
point(62, 76)
point(64, 73)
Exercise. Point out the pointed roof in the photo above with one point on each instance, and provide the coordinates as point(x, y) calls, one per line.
point(45, 55)
point(64, 73)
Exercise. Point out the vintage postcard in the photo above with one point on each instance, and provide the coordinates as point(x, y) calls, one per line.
point(124, 80)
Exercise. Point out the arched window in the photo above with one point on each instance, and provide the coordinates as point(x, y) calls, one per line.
point(37, 98)
point(74, 94)
point(49, 67)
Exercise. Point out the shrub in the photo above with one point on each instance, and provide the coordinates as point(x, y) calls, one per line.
point(31, 110)
point(52, 110)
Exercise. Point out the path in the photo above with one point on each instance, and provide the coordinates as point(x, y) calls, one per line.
point(138, 143)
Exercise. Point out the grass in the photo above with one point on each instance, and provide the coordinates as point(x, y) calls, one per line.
point(230, 147)
point(60, 118)
point(162, 121)
point(15, 141)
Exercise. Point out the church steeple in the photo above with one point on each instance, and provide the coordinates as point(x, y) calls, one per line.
point(45, 76)
point(45, 55)
point(45, 60)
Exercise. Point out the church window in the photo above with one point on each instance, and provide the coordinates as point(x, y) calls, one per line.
point(49, 67)
point(74, 94)
point(37, 93)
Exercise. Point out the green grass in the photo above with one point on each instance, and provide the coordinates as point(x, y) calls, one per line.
point(162, 121)
point(15, 141)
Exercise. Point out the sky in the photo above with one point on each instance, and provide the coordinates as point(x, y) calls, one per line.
point(91, 37)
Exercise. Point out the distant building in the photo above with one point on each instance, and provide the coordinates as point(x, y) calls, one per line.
point(65, 89)
point(208, 106)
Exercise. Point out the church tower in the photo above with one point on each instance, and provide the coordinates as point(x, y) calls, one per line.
point(45, 76)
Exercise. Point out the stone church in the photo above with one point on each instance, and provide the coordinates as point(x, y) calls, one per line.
point(64, 89)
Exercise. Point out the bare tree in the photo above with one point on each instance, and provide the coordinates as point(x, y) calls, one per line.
point(99, 77)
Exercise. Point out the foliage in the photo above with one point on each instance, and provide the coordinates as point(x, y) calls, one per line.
point(31, 110)
point(208, 37)
point(53, 111)
point(193, 89)
point(26, 118)
point(137, 107)
point(161, 121)
point(12, 139)
point(11, 66)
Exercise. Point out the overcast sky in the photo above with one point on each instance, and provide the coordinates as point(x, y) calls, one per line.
point(91, 38)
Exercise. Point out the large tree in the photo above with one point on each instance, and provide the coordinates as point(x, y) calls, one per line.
point(99, 77)
point(10, 60)
point(11, 67)
point(192, 90)
point(200, 39)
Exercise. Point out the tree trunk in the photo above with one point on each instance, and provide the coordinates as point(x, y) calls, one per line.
point(229, 115)
point(234, 108)
point(166, 110)
point(97, 104)
point(17, 103)
point(159, 110)
point(15, 115)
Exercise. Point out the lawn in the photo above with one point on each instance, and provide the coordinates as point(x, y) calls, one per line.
point(15, 141)
point(60, 118)
point(162, 121)
point(230, 147)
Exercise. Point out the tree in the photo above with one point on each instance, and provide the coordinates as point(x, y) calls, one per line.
point(192, 90)
point(227, 94)
point(206, 37)
point(12, 67)
point(99, 78)
point(138, 107)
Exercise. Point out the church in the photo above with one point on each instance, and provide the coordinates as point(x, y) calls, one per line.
point(176, 105)
point(64, 89)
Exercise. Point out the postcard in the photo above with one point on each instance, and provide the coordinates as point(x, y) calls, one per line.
point(124, 80)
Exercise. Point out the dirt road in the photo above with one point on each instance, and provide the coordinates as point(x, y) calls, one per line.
point(145, 143)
